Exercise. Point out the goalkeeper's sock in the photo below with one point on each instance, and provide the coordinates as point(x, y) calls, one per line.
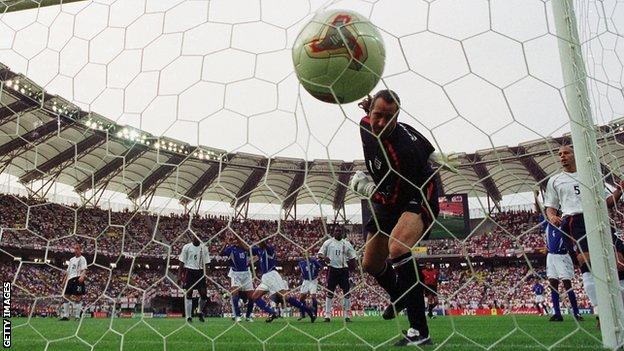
point(301, 306)
point(329, 302)
point(65, 313)
point(235, 300)
point(387, 279)
point(414, 299)
point(302, 302)
point(188, 307)
point(573, 303)
point(590, 288)
point(266, 308)
point(554, 295)
point(314, 305)
point(250, 305)
point(77, 309)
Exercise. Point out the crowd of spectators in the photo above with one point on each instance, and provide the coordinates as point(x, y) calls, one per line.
point(28, 224)
point(504, 234)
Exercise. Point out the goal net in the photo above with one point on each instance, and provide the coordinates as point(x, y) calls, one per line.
point(130, 127)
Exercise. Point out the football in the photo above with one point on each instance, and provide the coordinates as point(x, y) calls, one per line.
point(339, 56)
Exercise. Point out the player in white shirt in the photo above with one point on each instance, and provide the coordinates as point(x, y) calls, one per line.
point(563, 193)
point(339, 255)
point(193, 259)
point(74, 284)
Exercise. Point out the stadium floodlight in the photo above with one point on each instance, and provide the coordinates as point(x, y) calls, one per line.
point(97, 122)
point(583, 132)
point(25, 87)
point(61, 107)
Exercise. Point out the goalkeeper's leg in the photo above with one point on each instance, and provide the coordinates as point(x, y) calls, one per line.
point(375, 263)
point(407, 232)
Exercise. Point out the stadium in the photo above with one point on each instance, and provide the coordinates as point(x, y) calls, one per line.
point(132, 127)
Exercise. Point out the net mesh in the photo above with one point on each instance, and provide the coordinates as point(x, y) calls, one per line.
point(472, 75)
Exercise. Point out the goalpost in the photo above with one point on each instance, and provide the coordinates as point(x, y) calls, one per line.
point(603, 261)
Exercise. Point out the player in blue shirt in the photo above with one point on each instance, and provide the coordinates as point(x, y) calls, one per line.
point(309, 268)
point(240, 277)
point(272, 282)
point(559, 265)
point(540, 302)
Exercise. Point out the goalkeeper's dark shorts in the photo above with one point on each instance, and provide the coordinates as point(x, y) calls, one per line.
point(574, 227)
point(385, 217)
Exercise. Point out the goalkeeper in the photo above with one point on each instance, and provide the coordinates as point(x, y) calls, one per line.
point(404, 194)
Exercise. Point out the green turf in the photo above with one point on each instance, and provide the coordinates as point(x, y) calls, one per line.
point(452, 224)
point(448, 333)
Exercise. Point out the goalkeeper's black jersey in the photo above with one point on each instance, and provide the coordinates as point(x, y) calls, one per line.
point(406, 152)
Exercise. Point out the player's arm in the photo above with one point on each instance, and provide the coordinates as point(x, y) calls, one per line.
point(538, 205)
point(351, 256)
point(82, 270)
point(551, 201)
point(322, 254)
point(182, 259)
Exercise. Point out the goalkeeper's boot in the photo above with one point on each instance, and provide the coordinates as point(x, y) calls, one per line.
point(189, 319)
point(579, 318)
point(201, 318)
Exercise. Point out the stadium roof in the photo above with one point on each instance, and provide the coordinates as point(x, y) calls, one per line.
point(45, 139)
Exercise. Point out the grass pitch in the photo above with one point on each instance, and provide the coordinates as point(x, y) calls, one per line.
point(366, 333)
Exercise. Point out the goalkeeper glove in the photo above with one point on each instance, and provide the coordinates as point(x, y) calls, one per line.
point(360, 184)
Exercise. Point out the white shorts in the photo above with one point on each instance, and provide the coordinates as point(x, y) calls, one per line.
point(309, 286)
point(559, 266)
point(539, 298)
point(241, 280)
point(272, 282)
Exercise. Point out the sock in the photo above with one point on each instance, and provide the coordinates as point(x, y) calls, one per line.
point(299, 305)
point(346, 307)
point(328, 306)
point(590, 289)
point(263, 306)
point(77, 308)
point(387, 280)
point(314, 305)
point(554, 295)
point(202, 305)
point(430, 309)
point(65, 313)
point(414, 298)
point(572, 298)
point(302, 301)
point(235, 301)
point(250, 305)
point(188, 307)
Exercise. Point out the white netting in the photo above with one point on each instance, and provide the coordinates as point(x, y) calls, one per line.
point(472, 75)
